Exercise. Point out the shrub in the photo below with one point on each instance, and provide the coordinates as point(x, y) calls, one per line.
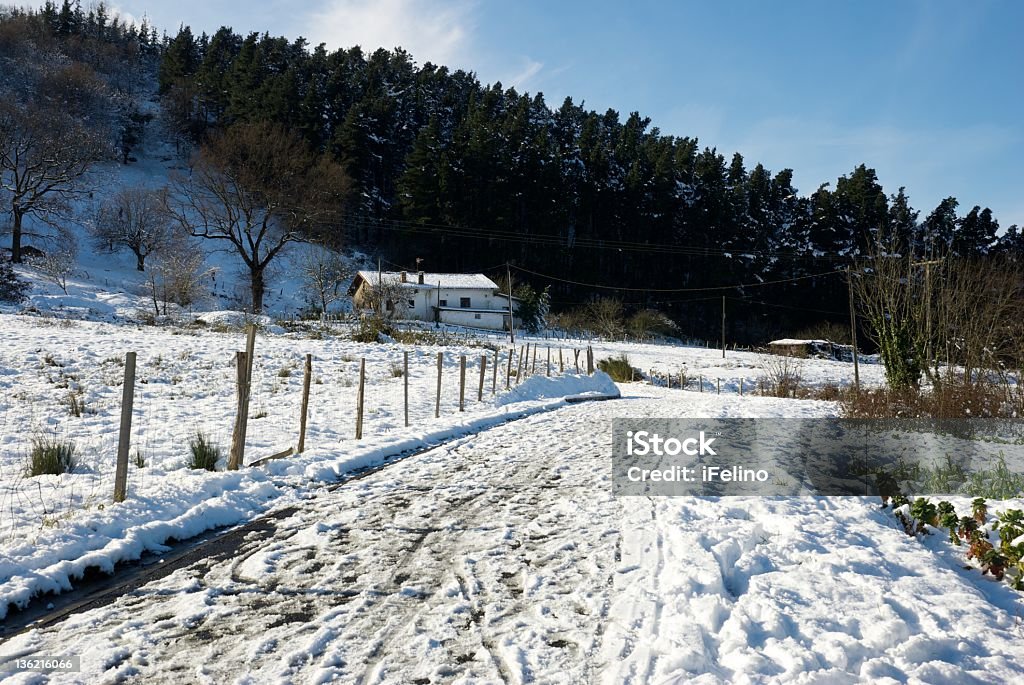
point(204, 454)
point(782, 376)
point(947, 400)
point(370, 329)
point(51, 456)
point(619, 368)
point(12, 288)
point(397, 370)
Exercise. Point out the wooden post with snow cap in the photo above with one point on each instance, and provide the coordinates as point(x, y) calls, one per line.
point(561, 364)
point(462, 383)
point(306, 378)
point(437, 400)
point(483, 371)
point(360, 396)
point(549, 361)
point(124, 437)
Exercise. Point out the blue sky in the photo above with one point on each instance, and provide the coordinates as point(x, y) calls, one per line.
point(928, 92)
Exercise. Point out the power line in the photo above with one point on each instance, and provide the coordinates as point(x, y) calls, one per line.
point(678, 290)
point(507, 235)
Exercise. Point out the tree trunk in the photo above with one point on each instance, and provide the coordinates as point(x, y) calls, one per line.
point(140, 261)
point(258, 286)
point(16, 236)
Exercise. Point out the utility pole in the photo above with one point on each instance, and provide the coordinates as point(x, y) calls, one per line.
point(853, 331)
point(511, 316)
point(928, 305)
point(723, 326)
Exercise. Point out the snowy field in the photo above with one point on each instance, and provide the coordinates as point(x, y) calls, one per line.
point(502, 557)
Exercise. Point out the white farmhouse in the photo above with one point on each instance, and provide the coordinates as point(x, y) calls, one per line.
point(469, 300)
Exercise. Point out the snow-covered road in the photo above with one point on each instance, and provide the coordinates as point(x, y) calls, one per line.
point(503, 557)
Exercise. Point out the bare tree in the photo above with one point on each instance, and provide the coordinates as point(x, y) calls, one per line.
point(134, 218)
point(387, 298)
point(323, 273)
point(58, 261)
point(257, 187)
point(43, 156)
point(605, 316)
point(977, 309)
point(176, 276)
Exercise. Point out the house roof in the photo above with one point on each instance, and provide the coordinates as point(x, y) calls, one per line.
point(430, 280)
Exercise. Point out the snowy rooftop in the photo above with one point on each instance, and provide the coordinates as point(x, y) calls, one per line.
point(431, 280)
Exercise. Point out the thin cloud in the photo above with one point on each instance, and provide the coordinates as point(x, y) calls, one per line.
point(522, 79)
point(432, 31)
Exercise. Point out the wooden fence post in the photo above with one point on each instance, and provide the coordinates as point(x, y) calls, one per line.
point(483, 371)
point(462, 383)
point(700, 379)
point(245, 362)
point(590, 360)
point(719, 381)
point(494, 374)
point(125, 436)
point(437, 401)
point(561, 364)
point(508, 374)
point(306, 379)
point(533, 368)
point(405, 377)
point(681, 377)
point(549, 362)
point(519, 367)
point(576, 354)
point(360, 396)
point(741, 387)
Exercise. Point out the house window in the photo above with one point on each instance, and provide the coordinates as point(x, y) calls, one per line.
point(476, 316)
point(442, 303)
point(465, 303)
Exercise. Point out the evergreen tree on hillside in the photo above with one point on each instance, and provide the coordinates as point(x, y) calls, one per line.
point(180, 60)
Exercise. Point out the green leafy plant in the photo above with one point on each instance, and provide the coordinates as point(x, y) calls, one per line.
point(979, 509)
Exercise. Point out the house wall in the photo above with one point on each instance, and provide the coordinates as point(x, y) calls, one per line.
point(490, 320)
point(420, 301)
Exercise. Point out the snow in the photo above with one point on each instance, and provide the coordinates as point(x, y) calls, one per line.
point(430, 280)
point(502, 557)
point(487, 549)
